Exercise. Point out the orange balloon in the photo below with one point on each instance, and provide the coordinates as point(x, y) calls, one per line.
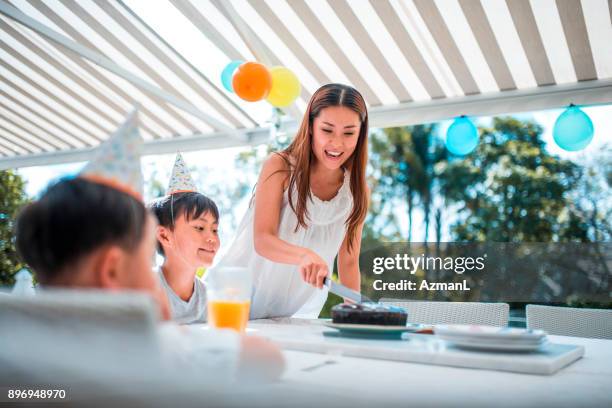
point(252, 81)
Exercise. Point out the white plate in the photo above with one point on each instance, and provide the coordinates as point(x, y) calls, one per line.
point(488, 332)
point(472, 345)
point(487, 340)
point(374, 328)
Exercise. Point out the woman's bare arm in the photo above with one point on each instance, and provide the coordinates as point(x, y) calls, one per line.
point(268, 202)
point(348, 262)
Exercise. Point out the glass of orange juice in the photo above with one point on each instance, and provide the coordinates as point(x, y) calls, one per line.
point(228, 294)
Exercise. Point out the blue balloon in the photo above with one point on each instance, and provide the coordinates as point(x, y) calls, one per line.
point(573, 129)
point(461, 137)
point(228, 73)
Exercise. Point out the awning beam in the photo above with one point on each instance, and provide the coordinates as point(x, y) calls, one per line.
point(111, 66)
point(219, 140)
point(588, 93)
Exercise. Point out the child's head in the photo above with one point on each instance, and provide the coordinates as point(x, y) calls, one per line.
point(333, 134)
point(188, 228)
point(84, 234)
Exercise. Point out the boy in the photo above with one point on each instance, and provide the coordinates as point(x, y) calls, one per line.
point(94, 232)
point(188, 239)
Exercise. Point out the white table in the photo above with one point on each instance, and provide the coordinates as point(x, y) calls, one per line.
point(356, 382)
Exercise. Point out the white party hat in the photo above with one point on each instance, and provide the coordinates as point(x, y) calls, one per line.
point(180, 181)
point(116, 162)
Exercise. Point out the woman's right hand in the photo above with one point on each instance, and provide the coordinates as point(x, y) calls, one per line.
point(313, 269)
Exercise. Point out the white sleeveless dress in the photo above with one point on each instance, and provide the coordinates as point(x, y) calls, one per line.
point(278, 289)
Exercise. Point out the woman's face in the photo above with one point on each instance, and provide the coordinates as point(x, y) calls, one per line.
point(335, 132)
point(197, 240)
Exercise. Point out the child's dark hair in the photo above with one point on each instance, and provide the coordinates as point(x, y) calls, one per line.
point(189, 204)
point(72, 218)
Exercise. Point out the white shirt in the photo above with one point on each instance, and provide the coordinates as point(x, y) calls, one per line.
point(278, 289)
point(186, 312)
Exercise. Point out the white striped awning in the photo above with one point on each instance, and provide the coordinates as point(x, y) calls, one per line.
point(70, 70)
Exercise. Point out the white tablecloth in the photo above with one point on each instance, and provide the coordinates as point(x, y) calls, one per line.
point(316, 380)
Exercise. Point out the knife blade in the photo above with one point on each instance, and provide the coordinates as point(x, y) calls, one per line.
point(343, 291)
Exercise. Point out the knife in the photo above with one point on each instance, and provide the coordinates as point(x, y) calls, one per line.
point(343, 291)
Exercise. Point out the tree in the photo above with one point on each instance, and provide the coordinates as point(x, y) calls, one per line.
point(403, 161)
point(510, 189)
point(592, 196)
point(12, 198)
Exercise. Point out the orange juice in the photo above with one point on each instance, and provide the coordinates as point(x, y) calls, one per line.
point(228, 314)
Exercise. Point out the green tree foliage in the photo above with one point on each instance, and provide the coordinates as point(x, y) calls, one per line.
point(12, 198)
point(592, 196)
point(510, 189)
point(402, 163)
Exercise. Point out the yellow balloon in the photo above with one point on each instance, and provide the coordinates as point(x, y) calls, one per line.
point(285, 87)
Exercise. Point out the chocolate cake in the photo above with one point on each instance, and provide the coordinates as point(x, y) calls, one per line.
point(369, 313)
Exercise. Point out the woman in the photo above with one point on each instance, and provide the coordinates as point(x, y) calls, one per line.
point(310, 204)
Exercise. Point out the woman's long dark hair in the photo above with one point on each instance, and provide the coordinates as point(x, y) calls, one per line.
point(299, 157)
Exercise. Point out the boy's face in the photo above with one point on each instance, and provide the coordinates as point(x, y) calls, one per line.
point(195, 240)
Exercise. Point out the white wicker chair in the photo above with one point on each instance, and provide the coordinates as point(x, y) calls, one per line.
point(570, 321)
point(67, 332)
point(127, 311)
point(425, 312)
